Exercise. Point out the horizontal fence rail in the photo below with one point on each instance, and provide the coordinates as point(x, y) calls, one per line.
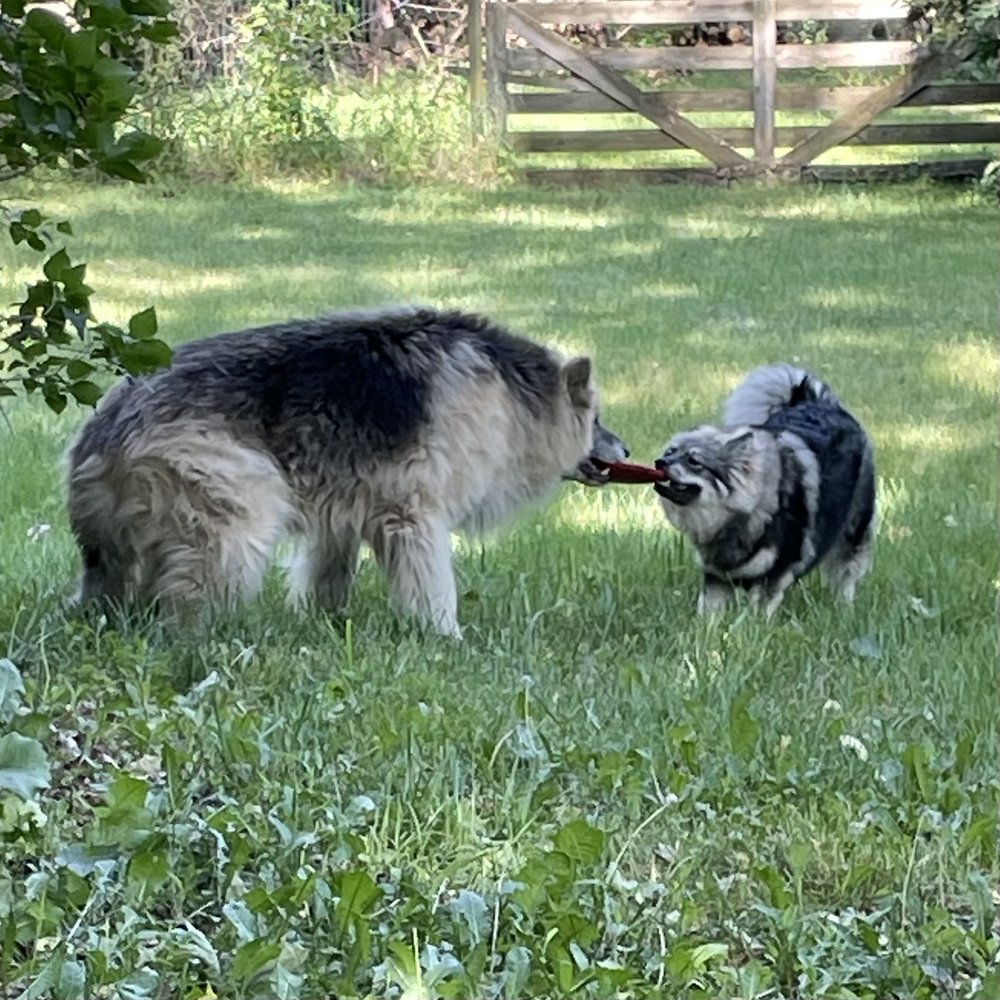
point(667, 12)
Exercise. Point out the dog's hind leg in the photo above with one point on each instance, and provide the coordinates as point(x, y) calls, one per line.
point(414, 550)
point(325, 567)
point(849, 561)
point(853, 554)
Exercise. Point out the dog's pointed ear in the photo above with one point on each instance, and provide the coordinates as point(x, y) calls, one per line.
point(739, 448)
point(577, 374)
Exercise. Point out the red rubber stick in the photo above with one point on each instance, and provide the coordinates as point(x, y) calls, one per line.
point(628, 473)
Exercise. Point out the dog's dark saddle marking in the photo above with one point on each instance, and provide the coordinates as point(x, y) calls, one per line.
point(367, 377)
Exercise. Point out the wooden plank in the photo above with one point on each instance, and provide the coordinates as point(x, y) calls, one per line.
point(698, 11)
point(942, 170)
point(945, 170)
point(632, 140)
point(832, 55)
point(496, 65)
point(601, 177)
point(632, 12)
point(693, 57)
point(617, 87)
point(842, 10)
point(854, 120)
point(474, 34)
point(618, 140)
point(585, 100)
point(765, 76)
point(954, 93)
point(845, 55)
point(728, 99)
point(926, 134)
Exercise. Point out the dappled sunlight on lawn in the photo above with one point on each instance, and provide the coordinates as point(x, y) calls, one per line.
point(657, 382)
point(617, 508)
point(972, 365)
point(850, 295)
point(130, 281)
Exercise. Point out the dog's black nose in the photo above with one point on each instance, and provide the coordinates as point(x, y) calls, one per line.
point(627, 452)
point(661, 464)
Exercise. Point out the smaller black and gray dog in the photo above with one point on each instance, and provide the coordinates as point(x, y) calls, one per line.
point(786, 485)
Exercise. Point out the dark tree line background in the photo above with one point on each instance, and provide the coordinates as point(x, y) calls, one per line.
point(408, 32)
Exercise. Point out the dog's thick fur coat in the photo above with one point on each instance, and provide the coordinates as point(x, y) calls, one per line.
point(787, 485)
point(391, 429)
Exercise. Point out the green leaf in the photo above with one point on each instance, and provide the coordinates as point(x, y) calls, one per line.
point(86, 393)
point(159, 31)
point(580, 841)
point(743, 728)
point(915, 759)
point(799, 855)
point(138, 986)
point(78, 369)
point(149, 868)
point(72, 981)
point(252, 957)
point(704, 953)
point(242, 918)
point(357, 894)
point(48, 27)
point(122, 168)
point(24, 767)
point(472, 910)
point(31, 218)
point(145, 356)
point(869, 937)
point(143, 325)
point(81, 49)
point(517, 968)
point(11, 690)
point(54, 399)
point(58, 266)
point(140, 145)
point(779, 896)
point(127, 794)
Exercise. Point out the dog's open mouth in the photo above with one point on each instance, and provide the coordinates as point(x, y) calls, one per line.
point(677, 492)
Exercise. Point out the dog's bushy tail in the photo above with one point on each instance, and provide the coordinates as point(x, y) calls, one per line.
point(771, 388)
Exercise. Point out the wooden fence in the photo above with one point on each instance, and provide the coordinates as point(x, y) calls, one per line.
point(531, 69)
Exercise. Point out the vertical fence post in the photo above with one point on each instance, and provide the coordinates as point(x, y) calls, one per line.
point(496, 64)
point(474, 37)
point(765, 40)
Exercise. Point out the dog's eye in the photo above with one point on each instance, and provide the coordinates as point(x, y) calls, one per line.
point(693, 460)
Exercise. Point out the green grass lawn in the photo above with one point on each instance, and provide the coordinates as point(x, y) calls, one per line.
point(596, 794)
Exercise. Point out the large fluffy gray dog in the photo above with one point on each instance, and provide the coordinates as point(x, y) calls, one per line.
point(391, 429)
point(787, 484)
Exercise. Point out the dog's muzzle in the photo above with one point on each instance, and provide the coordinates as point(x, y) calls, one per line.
point(673, 489)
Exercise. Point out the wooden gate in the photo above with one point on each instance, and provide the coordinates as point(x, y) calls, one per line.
point(532, 69)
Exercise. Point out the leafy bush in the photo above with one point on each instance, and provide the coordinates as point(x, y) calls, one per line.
point(285, 103)
point(66, 82)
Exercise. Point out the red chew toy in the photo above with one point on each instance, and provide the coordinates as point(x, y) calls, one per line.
point(629, 473)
